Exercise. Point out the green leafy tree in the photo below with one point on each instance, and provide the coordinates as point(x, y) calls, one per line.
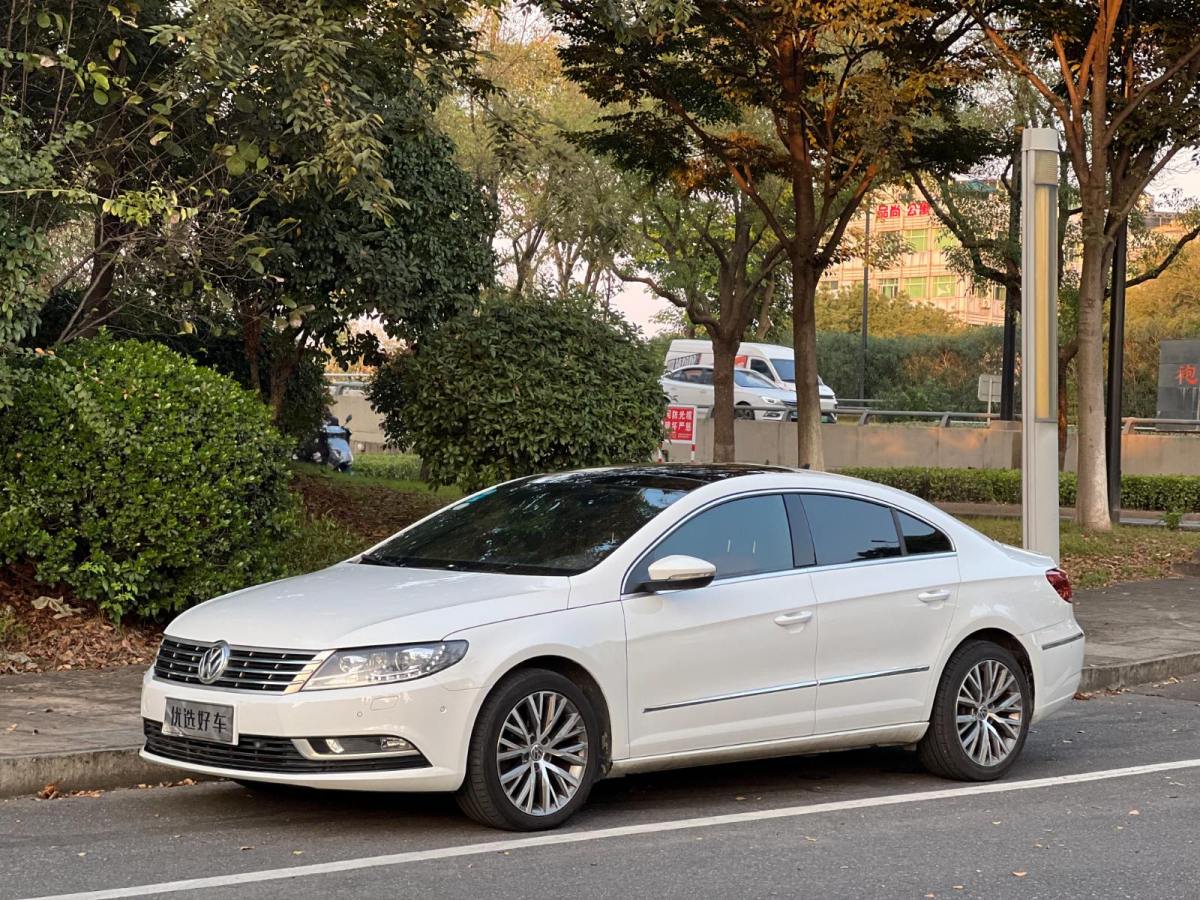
point(707, 250)
point(1123, 83)
point(830, 97)
point(523, 385)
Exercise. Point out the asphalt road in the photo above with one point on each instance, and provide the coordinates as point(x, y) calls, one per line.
point(1069, 821)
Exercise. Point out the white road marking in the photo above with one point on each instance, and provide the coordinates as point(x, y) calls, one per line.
point(577, 837)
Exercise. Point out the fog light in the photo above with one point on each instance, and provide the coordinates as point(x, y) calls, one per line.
point(358, 745)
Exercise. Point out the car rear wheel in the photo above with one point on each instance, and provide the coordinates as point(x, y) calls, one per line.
point(980, 715)
point(534, 753)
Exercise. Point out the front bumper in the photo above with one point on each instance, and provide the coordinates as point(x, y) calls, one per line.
point(435, 720)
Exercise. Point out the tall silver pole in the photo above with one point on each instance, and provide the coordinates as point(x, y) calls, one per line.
point(1039, 340)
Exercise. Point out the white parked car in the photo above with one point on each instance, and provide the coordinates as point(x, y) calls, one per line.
point(773, 361)
point(754, 397)
point(539, 635)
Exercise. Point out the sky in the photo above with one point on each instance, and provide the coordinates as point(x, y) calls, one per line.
point(639, 305)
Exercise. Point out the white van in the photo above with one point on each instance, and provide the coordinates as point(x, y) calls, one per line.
point(774, 361)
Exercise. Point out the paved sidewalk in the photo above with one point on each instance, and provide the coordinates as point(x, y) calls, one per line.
point(82, 730)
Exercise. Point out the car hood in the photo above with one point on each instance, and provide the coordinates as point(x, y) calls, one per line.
point(823, 390)
point(355, 605)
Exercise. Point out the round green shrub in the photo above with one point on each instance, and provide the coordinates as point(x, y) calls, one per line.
point(141, 480)
point(523, 386)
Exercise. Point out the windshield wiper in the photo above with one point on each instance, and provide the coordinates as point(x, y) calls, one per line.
point(374, 559)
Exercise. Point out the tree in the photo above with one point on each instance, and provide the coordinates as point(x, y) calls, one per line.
point(1125, 91)
point(163, 123)
point(710, 253)
point(829, 97)
point(895, 316)
point(564, 212)
point(338, 262)
point(523, 385)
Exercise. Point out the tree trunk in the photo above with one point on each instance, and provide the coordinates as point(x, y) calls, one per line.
point(252, 347)
point(1064, 368)
point(724, 350)
point(1091, 505)
point(809, 450)
point(283, 363)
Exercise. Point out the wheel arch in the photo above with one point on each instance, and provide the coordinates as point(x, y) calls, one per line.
point(586, 682)
point(1009, 642)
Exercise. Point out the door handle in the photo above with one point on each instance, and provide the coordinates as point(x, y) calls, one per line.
point(933, 596)
point(794, 618)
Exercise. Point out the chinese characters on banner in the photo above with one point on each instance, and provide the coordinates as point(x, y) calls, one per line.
point(680, 423)
point(895, 210)
point(1188, 375)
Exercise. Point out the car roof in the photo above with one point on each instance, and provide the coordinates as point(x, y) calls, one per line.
point(679, 476)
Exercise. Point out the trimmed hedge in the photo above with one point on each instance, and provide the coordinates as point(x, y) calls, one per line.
point(1168, 493)
point(143, 481)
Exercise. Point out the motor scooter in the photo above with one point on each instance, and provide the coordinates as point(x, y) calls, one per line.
point(332, 445)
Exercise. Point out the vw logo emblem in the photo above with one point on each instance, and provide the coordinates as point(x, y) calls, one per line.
point(213, 662)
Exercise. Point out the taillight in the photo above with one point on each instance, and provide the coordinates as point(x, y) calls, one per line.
point(1060, 582)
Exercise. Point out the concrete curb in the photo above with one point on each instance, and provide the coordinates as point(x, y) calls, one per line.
point(122, 767)
point(87, 770)
point(1099, 678)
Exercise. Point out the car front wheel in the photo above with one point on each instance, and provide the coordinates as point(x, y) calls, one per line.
point(534, 753)
point(980, 715)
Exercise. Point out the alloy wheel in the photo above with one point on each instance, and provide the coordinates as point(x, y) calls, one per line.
point(541, 754)
point(989, 712)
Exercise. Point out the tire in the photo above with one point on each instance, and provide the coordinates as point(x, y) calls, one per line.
point(744, 411)
point(989, 745)
point(484, 798)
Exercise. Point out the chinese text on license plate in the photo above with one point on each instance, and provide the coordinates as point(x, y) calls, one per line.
point(206, 721)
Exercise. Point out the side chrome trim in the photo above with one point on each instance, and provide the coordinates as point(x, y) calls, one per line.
point(845, 679)
point(1063, 642)
point(800, 685)
point(757, 692)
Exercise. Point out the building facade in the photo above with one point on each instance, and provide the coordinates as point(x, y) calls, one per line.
point(922, 273)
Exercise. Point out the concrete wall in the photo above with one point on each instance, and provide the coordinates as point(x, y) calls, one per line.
point(995, 447)
point(367, 428)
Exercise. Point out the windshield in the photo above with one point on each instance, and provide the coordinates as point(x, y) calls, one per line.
point(550, 525)
point(786, 369)
point(752, 380)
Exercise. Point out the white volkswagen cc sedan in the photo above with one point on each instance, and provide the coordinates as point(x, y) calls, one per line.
point(551, 631)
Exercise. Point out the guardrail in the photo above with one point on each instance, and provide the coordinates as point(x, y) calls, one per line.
point(1132, 425)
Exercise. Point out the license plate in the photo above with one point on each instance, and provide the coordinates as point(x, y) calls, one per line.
point(203, 721)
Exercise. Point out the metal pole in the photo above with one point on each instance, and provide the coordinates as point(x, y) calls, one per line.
point(1116, 365)
point(1039, 341)
point(1008, 362)
point(862, 369)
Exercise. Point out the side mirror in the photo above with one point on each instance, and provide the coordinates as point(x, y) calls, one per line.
point(679, 573)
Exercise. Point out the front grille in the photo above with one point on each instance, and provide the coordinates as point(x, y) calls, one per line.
point(258, 753)
point(249, 669)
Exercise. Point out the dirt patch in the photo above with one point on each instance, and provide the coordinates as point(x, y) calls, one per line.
point(64, 633)
point(370, 511)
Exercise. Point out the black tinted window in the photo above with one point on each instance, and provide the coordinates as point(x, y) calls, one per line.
point(921, 537)
point(847, 530)
point(741, 537)
point(553, 525)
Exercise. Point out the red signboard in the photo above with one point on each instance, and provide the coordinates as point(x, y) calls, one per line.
point(680, 423)
point(893, 210)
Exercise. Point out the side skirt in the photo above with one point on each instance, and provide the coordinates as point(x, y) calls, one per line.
point(885, 736)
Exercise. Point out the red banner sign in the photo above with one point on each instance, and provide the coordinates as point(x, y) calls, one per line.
point(680, 423)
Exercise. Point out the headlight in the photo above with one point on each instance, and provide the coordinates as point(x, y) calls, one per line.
point(385, 665)
point(772, 401)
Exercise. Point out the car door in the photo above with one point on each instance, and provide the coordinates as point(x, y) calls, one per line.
point(732, 662)
point(886, 585)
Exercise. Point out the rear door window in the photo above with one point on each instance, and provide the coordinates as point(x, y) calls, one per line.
point(846, 529)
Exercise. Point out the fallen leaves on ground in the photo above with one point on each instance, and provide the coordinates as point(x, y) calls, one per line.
point(53, 631)
point(371, 511)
